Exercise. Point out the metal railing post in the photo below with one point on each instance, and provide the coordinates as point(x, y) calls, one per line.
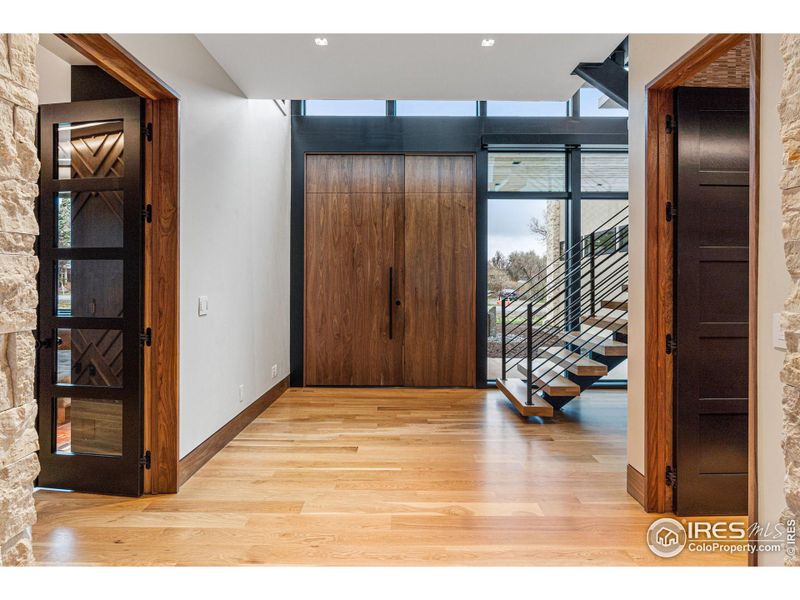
point(503, 335)
point(591, 272)
point(529, 342)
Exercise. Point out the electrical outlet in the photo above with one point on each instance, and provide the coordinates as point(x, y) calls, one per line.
point(202, 306)
point(274, 371)
point(241, 392)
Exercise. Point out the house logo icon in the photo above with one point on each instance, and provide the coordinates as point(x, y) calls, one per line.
point(666, 537)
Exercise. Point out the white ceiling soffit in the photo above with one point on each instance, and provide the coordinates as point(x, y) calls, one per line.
point(61, 49)
point(408, 66)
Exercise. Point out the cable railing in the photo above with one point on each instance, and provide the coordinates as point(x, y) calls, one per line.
point(560, 262)
point(555, 368)
point(551, 308)
point(593, 275)
point(577, 298)
point(617, 278)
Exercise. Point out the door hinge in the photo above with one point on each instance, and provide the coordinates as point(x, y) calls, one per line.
point(145, 460)
point(147, 131)
point(146, 338)
point(147, 213)
point(672, 211)
point(671, 124)
point(671, 476)
point(671, 345)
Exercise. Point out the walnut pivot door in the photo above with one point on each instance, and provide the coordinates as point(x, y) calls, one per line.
point(440, 271)
point(389, 270)
point(354, 270)
point(90, 297)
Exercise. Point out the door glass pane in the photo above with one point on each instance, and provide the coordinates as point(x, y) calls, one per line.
point(88, 426)
point(89, 219)
point(88, 288)
point(437, 108)
point(604, 172)
point(523, 238)
point(89, 150)
point(527, 172)
point(89, 357)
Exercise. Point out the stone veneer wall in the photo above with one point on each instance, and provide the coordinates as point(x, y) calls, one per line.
point(19, 171)
point(789, 112)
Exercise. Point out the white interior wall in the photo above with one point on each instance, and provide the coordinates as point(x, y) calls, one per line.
point(55, 77)
point(774, 286)
point(649, 56)
point(234, 245)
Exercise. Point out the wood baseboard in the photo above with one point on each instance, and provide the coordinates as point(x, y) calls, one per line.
point(636, 486)
point(191, 463)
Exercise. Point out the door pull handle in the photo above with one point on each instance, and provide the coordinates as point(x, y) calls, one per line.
point(391, 296)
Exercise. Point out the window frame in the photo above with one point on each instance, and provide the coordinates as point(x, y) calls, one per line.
point(573, 197)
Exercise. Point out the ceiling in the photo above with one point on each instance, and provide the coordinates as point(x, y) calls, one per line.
point(408, 66)
point(63, 50)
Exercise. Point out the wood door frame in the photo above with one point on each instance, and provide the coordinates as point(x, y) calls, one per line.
point(658, 320)
point(161, 253)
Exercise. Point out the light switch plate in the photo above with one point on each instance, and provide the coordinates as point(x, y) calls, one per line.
point(202, 306)
point(778, 339)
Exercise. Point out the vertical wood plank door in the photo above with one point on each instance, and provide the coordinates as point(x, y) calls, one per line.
point(711, 301)
point(439, 298)
point(353, 270)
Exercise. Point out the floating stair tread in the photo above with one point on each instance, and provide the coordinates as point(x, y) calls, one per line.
point(516, 391)
point(550, 381)
point(606, 347)
point(615, 305)
point(575, 363)
point(618, 325)
point(612, 348)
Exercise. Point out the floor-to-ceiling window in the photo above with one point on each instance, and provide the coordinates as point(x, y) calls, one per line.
point(526, 194)
point(541, 202)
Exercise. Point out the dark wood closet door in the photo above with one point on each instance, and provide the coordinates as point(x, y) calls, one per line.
point(711, 297)
point(353, 270)
point(440, 271)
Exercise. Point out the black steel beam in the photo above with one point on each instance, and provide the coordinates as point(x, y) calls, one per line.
point(609, 77)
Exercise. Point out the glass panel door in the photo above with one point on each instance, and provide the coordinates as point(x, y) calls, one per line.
point(90, 292)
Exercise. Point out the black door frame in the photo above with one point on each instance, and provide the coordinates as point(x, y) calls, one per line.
point(88, 472)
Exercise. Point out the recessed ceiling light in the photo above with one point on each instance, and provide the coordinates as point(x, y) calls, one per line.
point(321, 41)
point(487, 43)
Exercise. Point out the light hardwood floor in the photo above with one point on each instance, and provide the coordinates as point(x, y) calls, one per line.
point(388, 477)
